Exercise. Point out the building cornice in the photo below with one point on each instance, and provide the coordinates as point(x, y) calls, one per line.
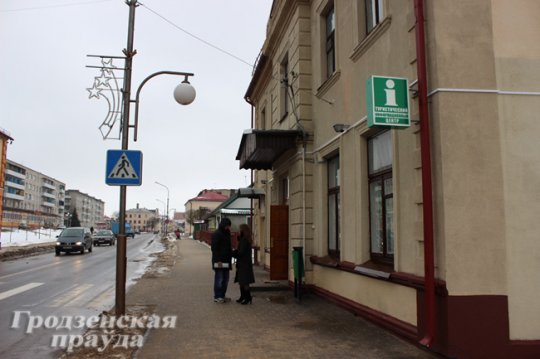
point(276, 33)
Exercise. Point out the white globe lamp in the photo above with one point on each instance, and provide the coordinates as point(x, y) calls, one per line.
point(184, 93)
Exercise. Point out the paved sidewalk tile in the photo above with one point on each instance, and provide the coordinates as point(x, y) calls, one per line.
point(274, 326)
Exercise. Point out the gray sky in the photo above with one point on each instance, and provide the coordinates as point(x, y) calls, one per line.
point(44, 103)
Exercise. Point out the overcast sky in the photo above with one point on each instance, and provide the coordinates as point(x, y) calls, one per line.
point(45, 106)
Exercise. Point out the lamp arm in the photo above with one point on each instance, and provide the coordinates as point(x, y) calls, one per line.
point(136, 125)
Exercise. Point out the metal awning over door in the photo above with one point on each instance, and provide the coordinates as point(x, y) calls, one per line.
point(259, 149)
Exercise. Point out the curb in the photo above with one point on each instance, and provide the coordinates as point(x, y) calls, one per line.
point(25, 251)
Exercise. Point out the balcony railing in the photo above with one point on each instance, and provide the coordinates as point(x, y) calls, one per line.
point(16, 174)
point(48, 204)
point(48, 195)
point(15, 185)
point(49, 186)
point(14, 196)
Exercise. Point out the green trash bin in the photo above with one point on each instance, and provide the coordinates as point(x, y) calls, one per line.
point(298, 266)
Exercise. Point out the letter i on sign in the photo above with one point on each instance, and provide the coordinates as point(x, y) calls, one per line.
point(390, 93)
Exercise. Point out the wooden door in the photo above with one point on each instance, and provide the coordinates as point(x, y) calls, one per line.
point(279, 242)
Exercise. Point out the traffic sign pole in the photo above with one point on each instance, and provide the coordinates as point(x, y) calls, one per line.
point(121, 260)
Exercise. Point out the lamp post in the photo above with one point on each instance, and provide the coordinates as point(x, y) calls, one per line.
point(67, 217)
point(183, 94)
point(164, 206)
point(167, 212)
point(173, 210)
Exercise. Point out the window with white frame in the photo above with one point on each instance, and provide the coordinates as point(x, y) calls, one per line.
point(374, 13)
point(381, 201)
point(334, 230)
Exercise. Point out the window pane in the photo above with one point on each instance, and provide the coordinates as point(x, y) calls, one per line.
point(380, 152)
point(333, 172)
point(330, 22)
point(376, 219)
point(330, 65)
point(338, 218)
point(332, 216)
point(330, 43)
point(388, 190)
point(389, 203)
point(380, 13)
point(370, 22)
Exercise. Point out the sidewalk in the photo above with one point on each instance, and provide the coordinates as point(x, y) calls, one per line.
point(274, 326)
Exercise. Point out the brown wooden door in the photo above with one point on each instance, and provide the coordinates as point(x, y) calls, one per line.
point(279, 242)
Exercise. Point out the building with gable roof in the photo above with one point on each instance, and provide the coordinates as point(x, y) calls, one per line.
point(205, 202)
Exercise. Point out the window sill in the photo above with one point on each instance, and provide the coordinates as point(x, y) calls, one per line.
point(379, 272)
point(370, 39)
point(328, 84)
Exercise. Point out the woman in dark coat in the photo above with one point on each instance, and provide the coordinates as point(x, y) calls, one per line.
point(244, 265)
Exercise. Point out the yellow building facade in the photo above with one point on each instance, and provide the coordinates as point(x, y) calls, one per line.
point(354, 196)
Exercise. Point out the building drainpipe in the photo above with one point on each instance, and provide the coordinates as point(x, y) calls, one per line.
point(427, 197)
point(251, 209)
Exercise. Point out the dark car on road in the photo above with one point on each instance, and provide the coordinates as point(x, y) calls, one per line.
point(104, 236)
point(74, 239)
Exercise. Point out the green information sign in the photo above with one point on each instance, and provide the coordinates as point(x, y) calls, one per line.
point(388, 101)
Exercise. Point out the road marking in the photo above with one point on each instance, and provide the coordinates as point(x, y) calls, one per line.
point(101, 299)
point(71, 296)
point(47, 299)
point(19, 290)
point(30, 270)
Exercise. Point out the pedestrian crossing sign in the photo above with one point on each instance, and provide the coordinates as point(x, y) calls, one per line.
point(124, 168)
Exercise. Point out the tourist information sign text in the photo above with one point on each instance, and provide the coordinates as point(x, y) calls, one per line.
point(388, 101)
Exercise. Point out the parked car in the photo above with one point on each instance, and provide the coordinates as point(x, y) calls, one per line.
point(74, 239)
point(104, 236)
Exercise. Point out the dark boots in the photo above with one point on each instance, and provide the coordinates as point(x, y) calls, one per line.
point(245, 296)
point(242, 295)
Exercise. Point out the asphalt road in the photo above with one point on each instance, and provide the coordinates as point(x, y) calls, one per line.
point(46, 285)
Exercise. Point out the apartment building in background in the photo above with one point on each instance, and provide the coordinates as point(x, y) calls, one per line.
point(31, 198)
point(429, 229)
point(90, 210)
point(5, 139)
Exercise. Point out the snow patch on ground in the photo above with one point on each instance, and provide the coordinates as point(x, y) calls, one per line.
point(144, 259)
point(21, 237)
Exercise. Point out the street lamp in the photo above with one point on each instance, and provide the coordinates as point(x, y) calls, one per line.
point(183, 94)
point(67, 216)
point(157, 199)
point(167, 212)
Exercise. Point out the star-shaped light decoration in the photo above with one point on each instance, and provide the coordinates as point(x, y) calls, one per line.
point(103, 80)
point(107, 65)
point(94, 91)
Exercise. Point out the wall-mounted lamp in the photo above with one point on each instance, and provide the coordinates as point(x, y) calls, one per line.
point(340, 127)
